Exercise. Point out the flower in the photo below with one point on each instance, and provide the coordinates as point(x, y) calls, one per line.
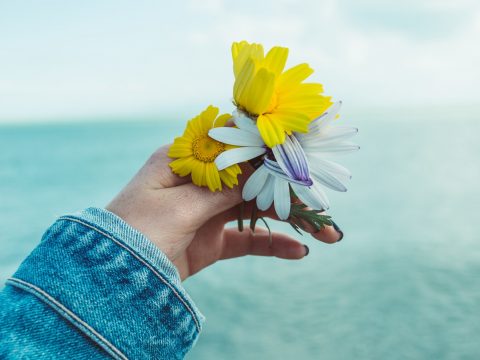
point(245, 135)
point(195, 152)
point(299, 163)
point(279, 100)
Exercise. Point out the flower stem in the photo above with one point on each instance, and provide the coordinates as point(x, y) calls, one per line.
point(241, 210)
point(254, 217)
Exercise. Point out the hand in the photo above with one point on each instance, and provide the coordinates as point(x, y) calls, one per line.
point(188, 222)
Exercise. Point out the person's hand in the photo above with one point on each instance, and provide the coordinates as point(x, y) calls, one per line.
point(188, 222)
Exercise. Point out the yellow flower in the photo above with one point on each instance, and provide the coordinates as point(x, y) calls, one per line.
point(280, 100)
point(196, 152)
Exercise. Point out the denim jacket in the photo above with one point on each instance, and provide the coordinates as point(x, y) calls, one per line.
point(96, 288)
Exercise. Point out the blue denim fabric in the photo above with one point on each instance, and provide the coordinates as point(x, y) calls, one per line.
point(96, 288)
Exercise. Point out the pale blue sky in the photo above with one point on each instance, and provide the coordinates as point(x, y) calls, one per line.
point(94, 59)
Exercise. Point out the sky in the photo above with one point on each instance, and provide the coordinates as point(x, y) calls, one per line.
point(66, 60)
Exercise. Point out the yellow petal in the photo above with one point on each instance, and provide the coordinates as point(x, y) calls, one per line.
point(194, 127)
point(291, 121)
point(242, 81)
point(272, 132)
point(198, 173)
point(302, 100)
point(302, 89)
point(181, 147)
point(227, 180)
point(183, 166)
point(212, 177)
point(243, 51)
point(276, 59)
point(233, 171)
point(294, 76)
point(310, 107)
point(236, 47)
point(260, 92)
point(222, 120)
point(207, 118)
point(310, 88)
point(229, 176)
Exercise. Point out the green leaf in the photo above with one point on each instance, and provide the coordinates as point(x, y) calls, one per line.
point(298, 215)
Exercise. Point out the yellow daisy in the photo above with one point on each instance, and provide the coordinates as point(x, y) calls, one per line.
point(195, 152)
point(279, 100)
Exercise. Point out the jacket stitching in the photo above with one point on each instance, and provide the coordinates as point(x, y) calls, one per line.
point(143, 261)
point(110, 348)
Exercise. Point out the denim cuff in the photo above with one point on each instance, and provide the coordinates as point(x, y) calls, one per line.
point(114, 285)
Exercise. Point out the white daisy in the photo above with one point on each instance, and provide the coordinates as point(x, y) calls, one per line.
point(298, 163)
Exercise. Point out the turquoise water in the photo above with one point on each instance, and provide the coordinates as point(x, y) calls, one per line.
point(403, 284)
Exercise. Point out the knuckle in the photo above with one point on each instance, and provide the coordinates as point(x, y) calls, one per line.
point(184, 205)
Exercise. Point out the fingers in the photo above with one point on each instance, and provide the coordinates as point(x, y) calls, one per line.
point(238, 244)
point(328, 234)
point(203, 204)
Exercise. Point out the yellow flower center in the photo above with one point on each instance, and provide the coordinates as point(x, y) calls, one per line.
point(206, 149)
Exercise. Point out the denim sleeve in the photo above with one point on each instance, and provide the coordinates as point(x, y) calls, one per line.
point(96, 288)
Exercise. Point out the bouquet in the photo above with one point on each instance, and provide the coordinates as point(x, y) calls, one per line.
point(284, 126)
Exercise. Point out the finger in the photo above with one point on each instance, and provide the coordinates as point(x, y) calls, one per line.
point(238, 244)
point(328, 234)
point(157, 174)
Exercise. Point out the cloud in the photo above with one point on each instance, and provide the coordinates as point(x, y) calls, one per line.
point(142, 57)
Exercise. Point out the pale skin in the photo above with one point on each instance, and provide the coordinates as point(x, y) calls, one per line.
point(187, 223)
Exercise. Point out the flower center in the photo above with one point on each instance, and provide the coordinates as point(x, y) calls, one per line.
point(207, 149)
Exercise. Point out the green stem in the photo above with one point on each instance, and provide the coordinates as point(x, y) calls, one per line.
point(254, 217)
point(241, 210)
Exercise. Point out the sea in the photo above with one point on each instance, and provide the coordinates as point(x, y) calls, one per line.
point(403, 284)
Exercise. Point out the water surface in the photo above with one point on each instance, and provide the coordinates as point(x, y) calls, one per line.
point(403, 284)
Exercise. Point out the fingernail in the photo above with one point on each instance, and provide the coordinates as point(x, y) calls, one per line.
point(337, 229)
point(307, 250)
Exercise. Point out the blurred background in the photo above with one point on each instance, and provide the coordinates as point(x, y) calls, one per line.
point(89, 89)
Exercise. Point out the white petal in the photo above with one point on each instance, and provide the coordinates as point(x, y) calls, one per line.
point(281, 195)
point(233, 136)
point(337, 170)
point(341, 147)
point(329, 135)
point(244, 122)
point(236, 156)
point(328, 180)
point(326, 118)
point(274, 169)
point(255, 183)
point(320, 194)
point(265, 198)
point(310, 196)
point(292, 159)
